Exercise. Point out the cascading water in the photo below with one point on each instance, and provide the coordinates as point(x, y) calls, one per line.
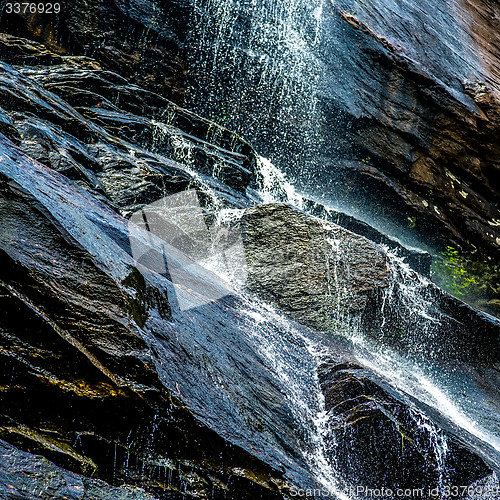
point(296, 371)
point(294, 357)
point(446, 388)
point(412, 374)
point(261, 77)
point(437, 384)
point(232, 356)
point(273, 186)
point(261, 73)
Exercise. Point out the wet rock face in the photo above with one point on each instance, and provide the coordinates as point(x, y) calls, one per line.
point(368, 427)
point(121, 142)
point(140, 39)
point(75, 308)
point(79, 383)
point(418, 260)
point(314, 270)
point(411, 107)
point(102, 372)
point(24, 476)
point(323, 276)
point(453, 330)
point(434, 134)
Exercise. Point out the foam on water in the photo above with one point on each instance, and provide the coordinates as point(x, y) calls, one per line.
point(416, 381)
point(273, 185)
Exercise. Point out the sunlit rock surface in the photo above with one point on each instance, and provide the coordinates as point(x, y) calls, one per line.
point(312, 269)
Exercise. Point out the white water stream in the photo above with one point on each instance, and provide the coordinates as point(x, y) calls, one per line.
point(288, 73)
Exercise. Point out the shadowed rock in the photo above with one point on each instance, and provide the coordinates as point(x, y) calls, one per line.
point(24, 476)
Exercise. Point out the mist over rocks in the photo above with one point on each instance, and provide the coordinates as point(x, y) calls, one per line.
point(389, 111)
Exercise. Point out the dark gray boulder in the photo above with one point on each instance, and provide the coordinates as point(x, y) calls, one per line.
point(316, 271)
point(323, 275)
point(368, 427)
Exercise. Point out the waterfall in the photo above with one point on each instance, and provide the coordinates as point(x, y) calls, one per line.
point(296, 370)
point(217, 362)
point(262, 77)
point(273, 186)
point(414, 372)
point(261, 73)
point(294, 357)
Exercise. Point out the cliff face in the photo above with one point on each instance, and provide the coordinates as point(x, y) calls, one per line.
point(120, 382)
point(392, 108)
point(419, 84)
point(432, 109)
point(79, 382)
